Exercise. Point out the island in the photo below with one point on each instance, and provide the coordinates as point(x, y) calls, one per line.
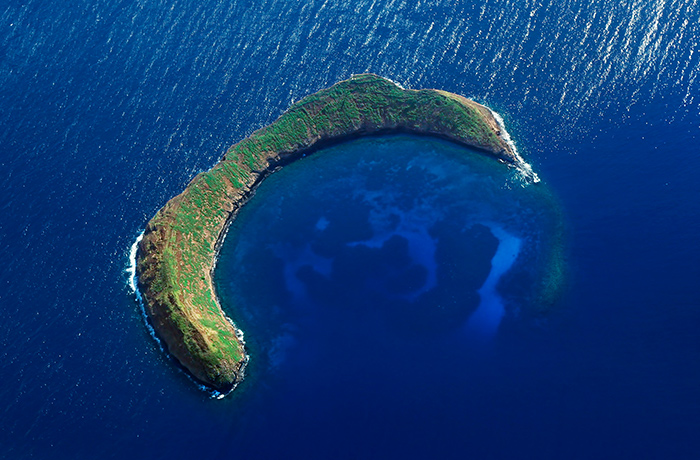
point(178, 250)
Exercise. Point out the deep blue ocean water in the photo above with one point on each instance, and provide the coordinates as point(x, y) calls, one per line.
point(108, 109)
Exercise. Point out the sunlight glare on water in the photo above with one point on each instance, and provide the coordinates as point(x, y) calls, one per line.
point(109, 108)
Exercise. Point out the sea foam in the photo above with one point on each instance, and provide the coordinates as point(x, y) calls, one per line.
point(133, 285)
point(523, 167)
point(131, 269)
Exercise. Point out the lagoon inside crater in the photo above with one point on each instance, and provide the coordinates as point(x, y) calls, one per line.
point(372, 246)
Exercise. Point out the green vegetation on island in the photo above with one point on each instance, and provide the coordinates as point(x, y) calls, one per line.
point(177, 254)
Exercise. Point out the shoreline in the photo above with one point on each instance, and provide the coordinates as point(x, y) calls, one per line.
point(180, 246)
point(132, 284)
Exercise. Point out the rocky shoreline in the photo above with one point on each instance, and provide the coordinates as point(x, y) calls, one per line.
point(177, 254)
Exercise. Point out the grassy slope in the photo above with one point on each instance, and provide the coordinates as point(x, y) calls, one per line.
point(177, 254)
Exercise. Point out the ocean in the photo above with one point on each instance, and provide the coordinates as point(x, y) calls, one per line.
point(108, 109)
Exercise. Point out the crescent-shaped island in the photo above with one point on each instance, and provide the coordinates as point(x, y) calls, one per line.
point(178, 251)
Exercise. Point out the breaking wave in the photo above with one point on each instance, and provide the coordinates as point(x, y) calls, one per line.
point(524, 168)
point(131, 269)
point(133, 285)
